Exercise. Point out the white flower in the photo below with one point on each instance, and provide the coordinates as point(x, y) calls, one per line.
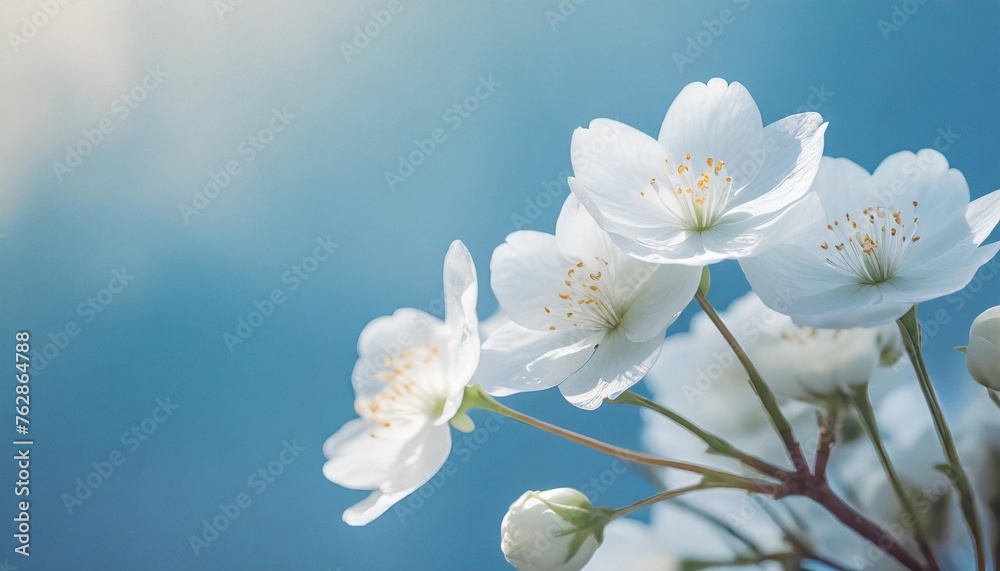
point(554, 530)
point(408, 381)
point(584, 315)
point(716, 185)
point(805, 363)
point(983, 353)
point(900, 236)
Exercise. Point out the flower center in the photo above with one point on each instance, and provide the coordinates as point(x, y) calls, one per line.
point(410, 378)
point(872, 246)
point(694, 204)
point(591, 301)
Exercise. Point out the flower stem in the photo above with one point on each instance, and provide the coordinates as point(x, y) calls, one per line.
point(764, 393)
point(909, 326)
point(661, 497)
point(866, 413)
point(478, 398)
point(714, 442)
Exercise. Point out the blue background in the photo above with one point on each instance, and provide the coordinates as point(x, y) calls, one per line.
point(324, 175)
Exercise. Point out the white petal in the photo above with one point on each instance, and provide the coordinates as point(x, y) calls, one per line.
point(717, 120)
point(925, 177)
point(788, 272)
point(847, 306)
point(800, 222)
point(616, 365)
point(385, 337)
point(461, 290)
point(983, 215)
point(359, 461)
point(376, 504)
point(661, 292)
point(942, 276)
point(614, 164)
point(516, 359)
point(527, 273)
point(843, 186)
point(794, 147)
point(578, 235)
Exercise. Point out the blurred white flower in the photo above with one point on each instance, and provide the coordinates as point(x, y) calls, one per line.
point(584, 315)
point(805, 363)
point(900, 236)
point(409, 382)
point(717, 184)
point(982, 356)
point(553, 530)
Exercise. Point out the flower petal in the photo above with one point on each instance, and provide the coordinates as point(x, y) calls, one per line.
point(516, 359)
point(941, 192)
point(717, 120)
point(616, 365)
point(526, 273)
point(376, 504)
point(946, 274)
point(660, 293)
point(793, 147)
point(752, 235)
point(387, 336)
point(461, 290)
point(614, 164)
point(361, 461)
point(983, 215)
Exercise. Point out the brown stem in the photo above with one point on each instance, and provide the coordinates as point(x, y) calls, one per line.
point(865, 527)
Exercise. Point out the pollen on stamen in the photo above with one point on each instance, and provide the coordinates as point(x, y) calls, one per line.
point(687, 157)
point(548, 310)
point(825, 246)
point(579, 264)
point(569, 314)
point(718, 166)
point(915, 239)
point(596, 276)
point(729, 179)
point(709, 161)
point(552, 327)
point(569, 283)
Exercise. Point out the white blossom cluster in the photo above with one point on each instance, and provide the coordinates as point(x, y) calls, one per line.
point(800, 425)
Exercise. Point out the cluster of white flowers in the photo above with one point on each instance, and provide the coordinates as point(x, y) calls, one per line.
point(837, 259)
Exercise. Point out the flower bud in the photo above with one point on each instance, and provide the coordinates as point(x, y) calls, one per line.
point(983, 354)
point(554, 530)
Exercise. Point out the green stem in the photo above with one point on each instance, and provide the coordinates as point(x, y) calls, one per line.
point(476, 397)
point(866, 413)
point(714, 442)
point(662, 497)
point(764, 393)
point(909, 327)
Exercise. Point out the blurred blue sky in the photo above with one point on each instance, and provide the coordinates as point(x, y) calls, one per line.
point(215, 83)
